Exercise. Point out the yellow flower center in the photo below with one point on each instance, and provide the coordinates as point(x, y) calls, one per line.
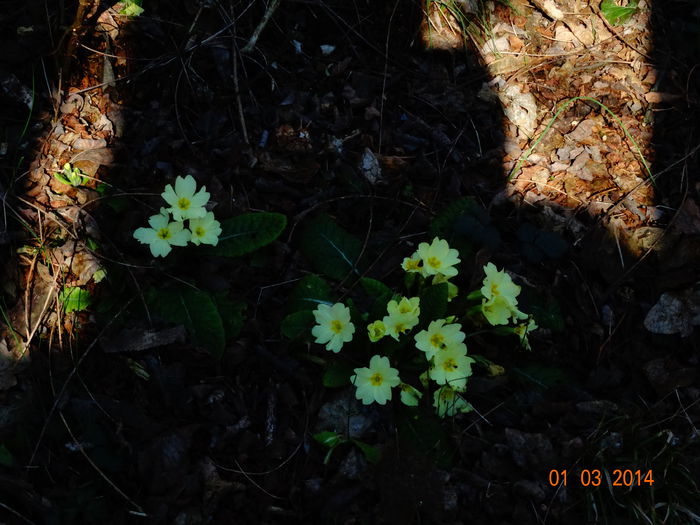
point(336, 326)
point(413, 264)
point(199, 231)
point(163, 233)
point(446, 395)
point(436, 340)
point(434, 262)
point(400, 327)
point(494, 289)
point(405, 309)
point(376, 379)
point(449, 365)
point(183, 203)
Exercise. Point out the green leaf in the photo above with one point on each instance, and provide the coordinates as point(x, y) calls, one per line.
point(132, 8)
point(329, 439)
point(195, 310)
point(232, 314)
point(615, 14)
point(6, 457)
point(433, 303)
point(330, 249)
point(375, 288)
point(308, 293)
point(99, 275)
point(297, 324)
point(248, 232)
point(74, 299)
point(381, 294)
point(337, 375)
point(372, 454)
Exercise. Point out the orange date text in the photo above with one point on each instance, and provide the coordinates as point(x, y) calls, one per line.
point(595, 477)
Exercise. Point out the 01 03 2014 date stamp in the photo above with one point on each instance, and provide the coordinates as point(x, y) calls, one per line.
point(595, 477)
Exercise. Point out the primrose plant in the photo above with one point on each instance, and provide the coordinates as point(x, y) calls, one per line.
point(186, 204)
point(441, 342)
point(71, 176)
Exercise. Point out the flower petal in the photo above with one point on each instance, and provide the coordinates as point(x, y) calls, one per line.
point(145, 235)
point(180, 238)
point(158, 221)
point(160, 248)
point(185, 187)
point(169, 195)
point(200, 198)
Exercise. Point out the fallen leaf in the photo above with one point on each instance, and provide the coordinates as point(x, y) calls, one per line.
point(138, 339)
point(369, 165)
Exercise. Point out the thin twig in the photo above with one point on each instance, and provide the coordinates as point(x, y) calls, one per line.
point(238, 94)
point(15, 513)
point(261, 26)
point(386, 68)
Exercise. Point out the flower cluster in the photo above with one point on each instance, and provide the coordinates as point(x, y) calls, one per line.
point(402, 317)
point(449, 365)
point(442, 342)
point(499, 303)
point(186, 204)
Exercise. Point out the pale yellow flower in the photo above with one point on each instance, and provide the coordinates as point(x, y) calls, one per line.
point(162, 234)
point(523, 329)
point(438, 258)
point(448, 402)
point(405, 307)
point(499, 310)
point(499, 283)
point(333, 326)
point(410, 264)
point(205, 230)
point(185, 201)
point(376, 331)
point(438, 336)
point(410, 396)
point(451, 366)
point(403, 315)
point(397, 325)
point(375, 383)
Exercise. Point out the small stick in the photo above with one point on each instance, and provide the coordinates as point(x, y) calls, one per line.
point(274, 4)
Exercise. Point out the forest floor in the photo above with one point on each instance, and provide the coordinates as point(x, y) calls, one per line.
point(559, 143)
